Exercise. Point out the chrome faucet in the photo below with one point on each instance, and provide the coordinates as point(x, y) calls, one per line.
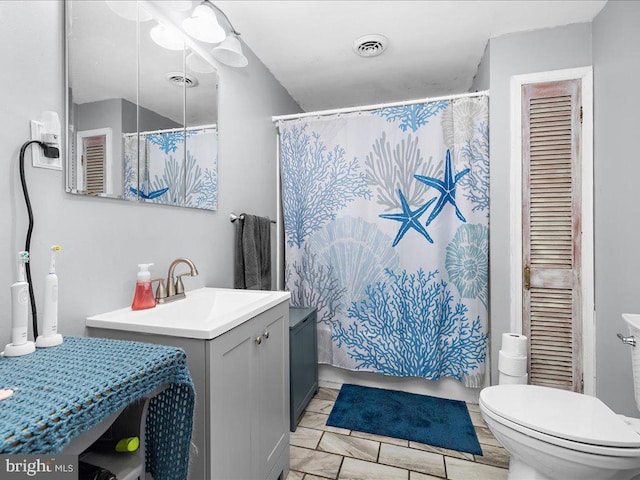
point(175, 288)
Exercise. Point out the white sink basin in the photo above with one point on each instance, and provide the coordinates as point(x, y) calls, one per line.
point(632, 319)
point(206, 313)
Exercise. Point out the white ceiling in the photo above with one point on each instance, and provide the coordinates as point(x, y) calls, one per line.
point(435, 46)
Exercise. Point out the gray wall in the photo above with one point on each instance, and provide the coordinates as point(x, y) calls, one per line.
point(148, 119)
point(103, 240)
point(616, 64)
point(105, 113)
point(129, 119)
point(537, 51)
point(481, 80)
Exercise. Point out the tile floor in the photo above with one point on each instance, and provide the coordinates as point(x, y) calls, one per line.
point(320, 452)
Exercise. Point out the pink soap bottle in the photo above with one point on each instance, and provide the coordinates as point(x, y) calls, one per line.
point(143, 297)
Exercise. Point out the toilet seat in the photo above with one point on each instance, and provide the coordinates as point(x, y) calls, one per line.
point(567, 419)
point(634, 423)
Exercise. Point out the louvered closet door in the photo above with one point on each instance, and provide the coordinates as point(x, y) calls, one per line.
point(552, 233)
point(94, 158)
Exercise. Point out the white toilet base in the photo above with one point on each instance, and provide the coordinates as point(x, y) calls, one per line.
point(519, 470)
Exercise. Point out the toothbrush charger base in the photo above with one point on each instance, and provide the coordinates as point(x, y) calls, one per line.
point(49, 340)
point(11, 350)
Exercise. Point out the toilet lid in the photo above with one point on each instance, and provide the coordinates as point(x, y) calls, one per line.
point(572, 416)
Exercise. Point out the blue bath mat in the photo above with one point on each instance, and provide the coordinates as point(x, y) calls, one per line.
point(419, 418)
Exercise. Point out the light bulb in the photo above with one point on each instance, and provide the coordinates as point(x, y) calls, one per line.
point(167, 37)
point(230, 53)
point(203, 25)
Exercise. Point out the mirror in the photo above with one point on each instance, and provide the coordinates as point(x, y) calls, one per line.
point(141, 125)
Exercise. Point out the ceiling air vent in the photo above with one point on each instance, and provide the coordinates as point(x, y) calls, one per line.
point(180, 79)
point(370, 45)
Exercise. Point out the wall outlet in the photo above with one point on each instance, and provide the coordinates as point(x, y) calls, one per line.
point(38, 159)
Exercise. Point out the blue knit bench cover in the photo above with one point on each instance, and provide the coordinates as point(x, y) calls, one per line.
point(63, 391)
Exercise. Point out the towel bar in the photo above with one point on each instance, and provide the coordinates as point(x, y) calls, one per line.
point(233, 217)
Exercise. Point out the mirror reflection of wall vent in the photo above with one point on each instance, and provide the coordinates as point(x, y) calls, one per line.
point(94, 153)
point(182, 79)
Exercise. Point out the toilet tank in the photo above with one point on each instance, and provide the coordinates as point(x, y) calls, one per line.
point(633, 322)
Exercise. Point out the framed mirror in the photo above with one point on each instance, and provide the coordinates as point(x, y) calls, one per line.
point(141, 125)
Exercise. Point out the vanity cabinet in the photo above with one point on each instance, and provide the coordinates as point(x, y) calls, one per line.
point(241, 377)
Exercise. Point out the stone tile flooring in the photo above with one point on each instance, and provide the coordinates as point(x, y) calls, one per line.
point(320, 452)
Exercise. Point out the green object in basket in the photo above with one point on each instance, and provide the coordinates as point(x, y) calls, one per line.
point(129, 444)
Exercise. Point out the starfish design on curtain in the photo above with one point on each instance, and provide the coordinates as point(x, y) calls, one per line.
point(408, 218)
point(447, 188)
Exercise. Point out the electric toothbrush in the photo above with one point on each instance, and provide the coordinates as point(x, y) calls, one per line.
point(19, 313)
point(50, 336)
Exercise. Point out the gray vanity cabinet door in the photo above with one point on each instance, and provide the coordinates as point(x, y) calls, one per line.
point(232, 375)
point(272, 391)
point(249, 398)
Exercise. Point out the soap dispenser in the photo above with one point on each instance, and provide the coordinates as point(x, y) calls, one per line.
point(143, 297)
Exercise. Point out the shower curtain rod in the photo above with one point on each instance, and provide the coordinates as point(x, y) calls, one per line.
point(170, 130)
point(365, 108)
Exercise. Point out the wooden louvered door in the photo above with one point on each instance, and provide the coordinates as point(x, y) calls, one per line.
point(552, 317)
point(94, 155)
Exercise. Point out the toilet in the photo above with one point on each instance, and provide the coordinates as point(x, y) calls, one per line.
point(554, 434)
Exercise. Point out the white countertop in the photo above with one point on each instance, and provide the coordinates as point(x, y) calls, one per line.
point(206, 313)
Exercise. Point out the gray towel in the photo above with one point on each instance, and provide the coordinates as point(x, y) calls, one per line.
point(252, 266)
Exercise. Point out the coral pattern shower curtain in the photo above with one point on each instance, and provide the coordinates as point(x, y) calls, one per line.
point(386, 232)
point(164, 175)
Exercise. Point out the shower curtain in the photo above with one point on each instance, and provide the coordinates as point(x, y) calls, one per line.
point(164, 176)
point(386, 232)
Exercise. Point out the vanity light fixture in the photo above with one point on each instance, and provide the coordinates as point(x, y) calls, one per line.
point(167, 37)
point(200, 27)
point(203, 25)
point(230, 53)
